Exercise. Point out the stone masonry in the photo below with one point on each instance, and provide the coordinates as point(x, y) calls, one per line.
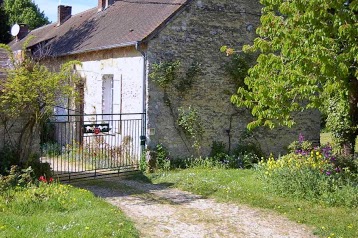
point(196, 35)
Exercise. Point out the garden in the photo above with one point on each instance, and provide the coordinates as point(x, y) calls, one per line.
point(310, 185)
point(305, 59)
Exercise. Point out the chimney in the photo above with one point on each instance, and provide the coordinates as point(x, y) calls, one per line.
point(103, 4)
point(63, 14)
point(24, 30)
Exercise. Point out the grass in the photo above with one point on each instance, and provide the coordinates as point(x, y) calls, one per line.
point(58, 210)
point(244, 186)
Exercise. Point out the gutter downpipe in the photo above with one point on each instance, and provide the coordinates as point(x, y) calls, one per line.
point(143, 138)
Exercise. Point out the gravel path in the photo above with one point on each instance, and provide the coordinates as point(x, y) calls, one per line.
point(159, 211)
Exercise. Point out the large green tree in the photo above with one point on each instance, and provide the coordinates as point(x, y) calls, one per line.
point(24, 11)
point(307, 58)
point(4, 26)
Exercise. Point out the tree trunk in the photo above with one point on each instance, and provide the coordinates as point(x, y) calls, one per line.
point(24, 148)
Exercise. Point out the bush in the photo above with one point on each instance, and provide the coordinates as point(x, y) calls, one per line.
point(157, 159)
point(16, 178)
point(314, 175)
point(245, 156)
point(9, 158)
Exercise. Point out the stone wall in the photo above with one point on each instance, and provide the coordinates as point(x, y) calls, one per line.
point(196, 35)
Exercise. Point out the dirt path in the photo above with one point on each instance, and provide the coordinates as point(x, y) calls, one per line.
point(159, 211)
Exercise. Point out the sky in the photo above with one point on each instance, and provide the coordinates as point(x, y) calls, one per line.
point(50, 6)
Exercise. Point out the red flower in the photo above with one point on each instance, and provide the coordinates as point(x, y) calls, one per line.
point(50, 180)
point(42, 179)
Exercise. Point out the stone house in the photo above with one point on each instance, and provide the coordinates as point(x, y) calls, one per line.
point(162, 59)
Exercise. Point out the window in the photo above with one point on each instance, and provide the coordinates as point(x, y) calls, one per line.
point(107, 96)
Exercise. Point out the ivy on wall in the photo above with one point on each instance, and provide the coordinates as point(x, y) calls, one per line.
point(176, 80)
point(190, 121)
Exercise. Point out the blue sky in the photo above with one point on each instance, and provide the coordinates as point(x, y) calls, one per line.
point(50, 6)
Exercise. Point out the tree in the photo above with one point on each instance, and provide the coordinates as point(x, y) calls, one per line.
point(307, 59)
point(4, 26)
point(29, 95)
point(24, 11)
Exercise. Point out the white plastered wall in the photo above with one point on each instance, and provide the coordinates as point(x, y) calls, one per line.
point(127, 74)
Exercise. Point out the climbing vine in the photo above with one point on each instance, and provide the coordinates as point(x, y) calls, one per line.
point(237, 69)
point(190, 121)
point(171, 73)
point(175, 82)
point(165, 73)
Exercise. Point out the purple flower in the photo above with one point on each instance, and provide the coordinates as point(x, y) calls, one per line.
point(328, 173)
point(301, 138)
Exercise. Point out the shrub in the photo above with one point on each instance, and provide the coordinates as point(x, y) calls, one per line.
point(157, 159)
point(315, 175)
point(245, 156)
point(8, 158)
point(16, 178)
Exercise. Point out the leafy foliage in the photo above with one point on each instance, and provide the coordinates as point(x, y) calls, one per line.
point(238, 69)
point(308, 59)
point(171, 73)
point(25, 11)
point(313, 173)
point(158, 159)
point(190, 121)
point(165, 73)
point(4, 26)
point(16, 178)
point(30, 92)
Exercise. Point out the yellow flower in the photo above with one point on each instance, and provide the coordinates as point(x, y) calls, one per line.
point(87, 228)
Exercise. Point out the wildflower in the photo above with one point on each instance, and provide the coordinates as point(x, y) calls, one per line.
point(87, 228)
point(328, 173)
point(301, 138)
point(42, 179)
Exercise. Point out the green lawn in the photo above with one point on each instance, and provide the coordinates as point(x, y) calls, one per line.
point(58, 210)
point(243, 186)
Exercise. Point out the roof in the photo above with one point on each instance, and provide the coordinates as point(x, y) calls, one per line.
point(123, 23)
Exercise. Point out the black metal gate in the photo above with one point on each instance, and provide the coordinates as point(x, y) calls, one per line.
point(83, 146)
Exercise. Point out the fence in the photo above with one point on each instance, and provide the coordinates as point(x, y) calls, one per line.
point(82, 146)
